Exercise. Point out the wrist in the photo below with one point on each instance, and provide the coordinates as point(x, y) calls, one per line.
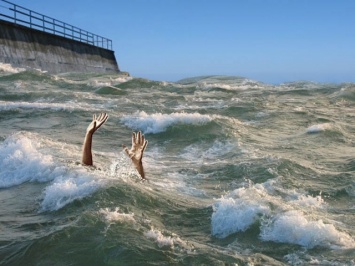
point(89, 133)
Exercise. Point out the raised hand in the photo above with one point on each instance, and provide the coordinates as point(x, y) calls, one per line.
point(96, 123)
point(139, 144)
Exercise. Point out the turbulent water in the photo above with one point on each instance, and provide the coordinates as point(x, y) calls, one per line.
point(240, 172)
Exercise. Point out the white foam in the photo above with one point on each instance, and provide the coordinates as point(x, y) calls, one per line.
point(318, 128)
point(68, 106)
point(21, 160)
point(158, 122)
point(291, 218)
point(211, 103)
point(245, 85)
point(164, 241)
point(116, 216)
point(302, 258)
point(31, 105)
point(309, 201)
point(72, 185)
point(238, 211)
point(9, 69)
point(293, 227)
point(123, 167)
point(79, 182)
point(27, 157)
point(104, 82)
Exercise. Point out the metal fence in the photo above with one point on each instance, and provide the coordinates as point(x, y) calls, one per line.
point(26, 17)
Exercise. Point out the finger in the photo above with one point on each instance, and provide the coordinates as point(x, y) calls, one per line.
point(125, 149)
point(103, 118)
point(99, 117)
point(139, 137)
point(106, 117)
point(100, 121)
point(145, 146)
point(142, 139)
point(93, 117)
point(133, 138)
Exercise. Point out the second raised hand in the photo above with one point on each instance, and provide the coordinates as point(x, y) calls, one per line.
point(139, 144)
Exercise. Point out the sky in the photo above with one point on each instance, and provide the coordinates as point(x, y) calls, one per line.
point(271, 41)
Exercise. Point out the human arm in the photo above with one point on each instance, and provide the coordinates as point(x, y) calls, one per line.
point(95, 124)
point(139, 144)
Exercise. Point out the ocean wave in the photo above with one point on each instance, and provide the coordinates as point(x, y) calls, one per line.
point(243, 207)
point(115, 215)
point(21, 160)
point(160, 238)
point(27, 157)
point(108, 81)
point(302, 231)
point(226, 83)
point(218, 149)
point(158, 122)
point(78, 182)
point(318, 128)
point(237, 211)
point(68, 106)
point(7, 68)
point(110, 90)
point(32, 105)
point(134, 83)
point(68, 187)
point(246, 85)
point(163, 240)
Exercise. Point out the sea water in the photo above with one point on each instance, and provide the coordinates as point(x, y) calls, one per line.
point(239, 172)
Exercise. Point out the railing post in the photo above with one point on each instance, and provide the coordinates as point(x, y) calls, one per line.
point(15, 14)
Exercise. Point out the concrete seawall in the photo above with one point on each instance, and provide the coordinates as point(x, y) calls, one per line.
point(28, 48)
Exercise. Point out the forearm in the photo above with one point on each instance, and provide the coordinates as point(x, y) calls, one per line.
point(87, 154)
point(140, 169)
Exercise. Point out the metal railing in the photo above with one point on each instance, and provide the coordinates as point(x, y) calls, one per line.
point(26, 17)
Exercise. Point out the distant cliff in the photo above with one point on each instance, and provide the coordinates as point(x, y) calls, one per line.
point(29, 48)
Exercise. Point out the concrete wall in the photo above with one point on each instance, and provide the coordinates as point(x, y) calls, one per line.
point(28, 48)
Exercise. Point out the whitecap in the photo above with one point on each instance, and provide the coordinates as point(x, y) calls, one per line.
point(318, 128)
point(66, 106)
point(7, 68)
point(116, 216)
point(71, 186)
point(293, 227)
point(161, 240)
point(237, 211)
point(4, 105)
point(293, 218)
point(21, 160)
point(158, 122)
point(164, 241)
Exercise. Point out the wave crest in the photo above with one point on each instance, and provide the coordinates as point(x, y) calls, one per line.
point(158, 122)
point(21, 160)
